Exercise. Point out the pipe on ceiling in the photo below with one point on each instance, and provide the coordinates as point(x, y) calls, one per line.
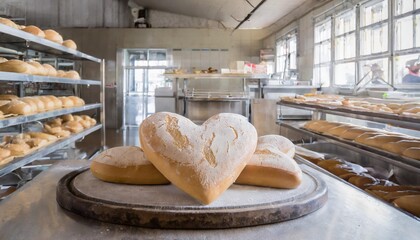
point(249, 14)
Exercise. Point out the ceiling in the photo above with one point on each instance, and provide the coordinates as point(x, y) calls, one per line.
point(225, 11)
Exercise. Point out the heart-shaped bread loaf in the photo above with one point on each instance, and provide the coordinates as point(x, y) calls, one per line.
point(272, 164)
point(203, 161)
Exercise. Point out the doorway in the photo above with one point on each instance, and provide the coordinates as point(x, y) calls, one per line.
point(143, 73)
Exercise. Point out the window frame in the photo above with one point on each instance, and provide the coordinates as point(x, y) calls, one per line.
point(286, 38)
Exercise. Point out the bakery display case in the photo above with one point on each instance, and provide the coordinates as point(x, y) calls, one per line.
point(370, 148)
point(22, 41)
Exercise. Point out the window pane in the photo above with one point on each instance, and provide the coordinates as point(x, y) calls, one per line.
point(374, 70)
point(345, 74)
point(372, 13)
point(374, 40)
point(402, 67)
point(317, 54)
point(417, 4)
point(323, 32)
point(345, 47)
point(345, 23)
point(322, 76)
point(404, 33)
point(403, 6)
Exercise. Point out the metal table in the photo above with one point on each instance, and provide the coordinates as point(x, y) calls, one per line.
point(33, 213)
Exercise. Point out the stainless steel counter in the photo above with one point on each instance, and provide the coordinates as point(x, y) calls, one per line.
point(33, 213)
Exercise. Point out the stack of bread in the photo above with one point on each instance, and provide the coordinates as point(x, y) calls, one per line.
point(35, 68)
point(48, 34)
point(203, 161)
point(13, 105)
point(406, 197)
point(65, 125)
point(22, 144)
point(410, 109)
point(396, 143)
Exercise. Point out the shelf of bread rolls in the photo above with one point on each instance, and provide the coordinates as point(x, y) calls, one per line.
point(8, 165)
point(22, 110)
point(346, 142)
point(21, 77)
point(405, 115)
point(380, 179)
point(46, 41)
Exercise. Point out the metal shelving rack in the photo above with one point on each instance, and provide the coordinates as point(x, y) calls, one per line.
point(22, 41)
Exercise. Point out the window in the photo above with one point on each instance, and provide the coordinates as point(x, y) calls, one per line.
point(322, 54)
point(286, 56)
point(374, 27)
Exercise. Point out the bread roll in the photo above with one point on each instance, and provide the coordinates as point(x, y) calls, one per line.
point(92, 122)
point(8, 97)
point(66, 102)
point(52, 129)
point(270, 167)
point(57, 102)
point(77, 118)
point(48, 103)
point(70, 44)
point(41, 135)
point(67, 118)
point(77, 102)
point(34, 30)
point(31, 102)
point(16, 107)
point(281, 143)
point(400, 146)
point(73, 126)
point(63, 133)
point(53, 36)
point(72, 75)
point(36, 142)
point(4, 153)
point(18, 149)
point(2, 60)
point(412, 152)
point(38, 68)
point(8, 23)
point(16, 66)
point(50, 70)
point(85, 123)
point(61, 73)
point(125, 165)
point(409, 203)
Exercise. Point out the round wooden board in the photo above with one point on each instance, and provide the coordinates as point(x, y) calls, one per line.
point(165, 206)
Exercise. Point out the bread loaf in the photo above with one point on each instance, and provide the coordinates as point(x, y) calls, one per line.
point(48, 103)
point(66, 102)
point(204, 160)
point(18, 149)
point(8, 97)
point(77, 102)
point(379, 140)
point(337, 131)
point(2, 60)
point(61, 73)
point(409, 203)
point(57, 102)
point(50, 70)
point(73, 126)
point(31, 103)
point(412, 152)
point(70, 44)
point(39, 103)
point(16, 66)
point(8, 23)
point(283, 144)
point(362, 181)
point(53, 36)
point(36, 142)
point(270, 167)
point(125, 165)
point(34, 30)
point(72, 75)
point(67, 118)
point(400, 146)
point(353, 133)
point(16, 107)
point(38, 69)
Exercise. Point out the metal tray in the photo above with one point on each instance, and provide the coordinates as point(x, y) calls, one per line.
point(377, 168)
